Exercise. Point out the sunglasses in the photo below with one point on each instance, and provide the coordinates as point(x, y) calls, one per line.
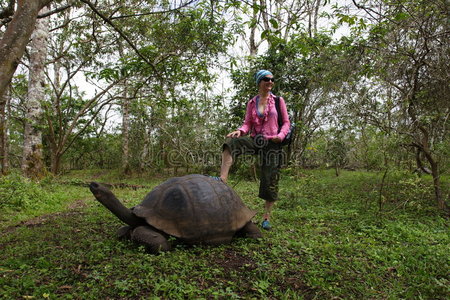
point(267, 79)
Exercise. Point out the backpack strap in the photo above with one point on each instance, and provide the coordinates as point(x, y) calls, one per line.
point(280, 117)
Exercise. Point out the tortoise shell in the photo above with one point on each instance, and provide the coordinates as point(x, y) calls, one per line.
point(196, 209)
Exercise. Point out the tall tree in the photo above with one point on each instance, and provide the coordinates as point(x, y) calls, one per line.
point(125, 121)
point(4, 160)
point(78, 49)
point(32, 160)
point(271, 21)
point(16, 37)
point(125, 131)
point(403, 86)
point(414, 45)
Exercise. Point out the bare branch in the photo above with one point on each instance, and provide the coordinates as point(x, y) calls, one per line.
point(57, 10)
point(5, 21)
point(74, 138)
point(83, 110)
point(155, 12)
point(8, 11)
point(367, 10)
point(117, 29)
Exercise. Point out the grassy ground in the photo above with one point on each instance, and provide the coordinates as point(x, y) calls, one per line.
point(330, 241)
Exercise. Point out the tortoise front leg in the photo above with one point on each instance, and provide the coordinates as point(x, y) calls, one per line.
point(124, 233)
point(250, 230)
point(151, 239)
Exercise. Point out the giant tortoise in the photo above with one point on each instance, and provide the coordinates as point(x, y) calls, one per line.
point(195, 209)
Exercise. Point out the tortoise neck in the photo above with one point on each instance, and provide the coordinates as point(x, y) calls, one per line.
point(109, 200)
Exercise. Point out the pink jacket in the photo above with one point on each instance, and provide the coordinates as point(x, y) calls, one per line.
point(267, 125)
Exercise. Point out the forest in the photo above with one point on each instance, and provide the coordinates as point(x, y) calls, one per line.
point(130, 93)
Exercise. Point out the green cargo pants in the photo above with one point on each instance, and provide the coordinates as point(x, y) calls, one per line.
point(270, 155)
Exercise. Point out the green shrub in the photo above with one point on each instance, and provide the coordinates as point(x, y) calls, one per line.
point(407, 189)
point(17, 191)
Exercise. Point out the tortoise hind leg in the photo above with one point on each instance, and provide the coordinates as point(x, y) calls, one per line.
point(153, 241)
point(250, 230)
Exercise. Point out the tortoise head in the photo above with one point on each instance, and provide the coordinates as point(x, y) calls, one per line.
point(109, 200)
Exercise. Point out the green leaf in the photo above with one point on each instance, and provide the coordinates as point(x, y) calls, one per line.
point(274, 23)
point(401, 16)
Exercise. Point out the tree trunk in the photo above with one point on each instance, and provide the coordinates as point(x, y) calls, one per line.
point(56, 162)
point(420, 167)
point(437, 186)
point(16, 37)
point(253, 45)
point(144, 163)
point(4, 103)
point(125, 123)
point(316, 15)
point(125, 132)
point(436, 180)
point(32, 163)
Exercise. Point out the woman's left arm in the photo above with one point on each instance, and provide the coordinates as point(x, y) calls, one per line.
point(286, 123)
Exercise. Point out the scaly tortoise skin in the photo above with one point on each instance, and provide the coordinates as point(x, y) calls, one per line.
point(195, 209)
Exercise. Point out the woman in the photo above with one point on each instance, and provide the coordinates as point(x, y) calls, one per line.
point(261, 121)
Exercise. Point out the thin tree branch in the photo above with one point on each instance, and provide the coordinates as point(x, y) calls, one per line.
point(155, 12)
point(5, 21)
point(57, 10)
point(9, 10)
point(117, 29)
point(367, 10)
point(74, 138)
point(83, 110)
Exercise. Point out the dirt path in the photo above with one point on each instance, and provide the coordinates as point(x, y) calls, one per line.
point(73, 208)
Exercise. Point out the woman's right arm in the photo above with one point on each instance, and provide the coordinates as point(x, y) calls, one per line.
point(234, 134)
point(245, 128)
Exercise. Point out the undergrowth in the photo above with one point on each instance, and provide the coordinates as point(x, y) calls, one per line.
point(18, 192)
point(334, 238)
